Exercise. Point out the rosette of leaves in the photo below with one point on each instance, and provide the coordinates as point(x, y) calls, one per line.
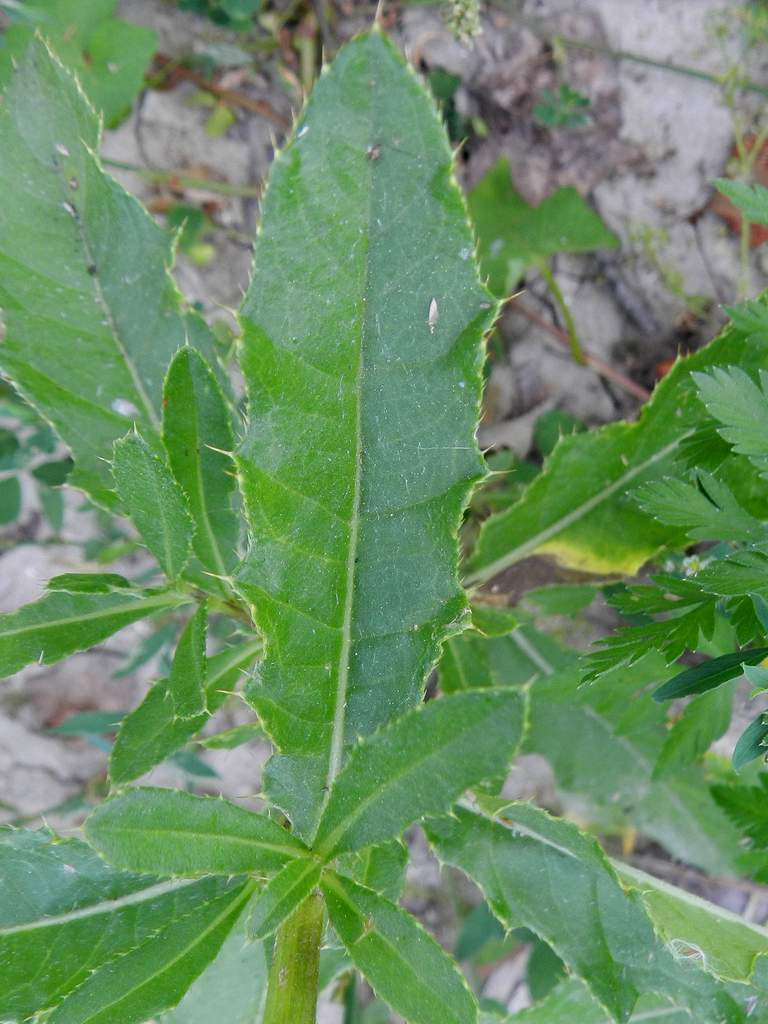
point(323, 528)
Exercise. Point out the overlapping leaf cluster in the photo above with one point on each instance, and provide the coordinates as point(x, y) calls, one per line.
point(361, 354)
point(681, 612)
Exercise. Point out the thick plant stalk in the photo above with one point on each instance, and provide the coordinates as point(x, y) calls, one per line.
point(292, 992)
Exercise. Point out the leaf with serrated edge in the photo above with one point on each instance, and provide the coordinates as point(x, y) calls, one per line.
point(74, 345)
point(186, 680)
point(152, 732)
point(281, 896)
point(167, 832)
point(741, 406)
point(747, 807)
point(231, 990)
point(402, 962)
point(154, 501)
point(362, 406)
point(88, 582)
point(61, 897)
point(543, 873)
point(728, 946)
point(589, 524)
point(702, 722)
point(571, 1003)
point(199, 438)
point(420, 765)
point(381, 868)
point(109, 56)
point(603, 742)
point(751, 743)
point(60, 623)
point(153, 978)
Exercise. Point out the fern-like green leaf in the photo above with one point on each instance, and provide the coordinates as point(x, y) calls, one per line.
point(747, 807)
point(741, 406)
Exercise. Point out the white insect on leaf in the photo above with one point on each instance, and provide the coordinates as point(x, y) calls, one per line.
point(433, 316)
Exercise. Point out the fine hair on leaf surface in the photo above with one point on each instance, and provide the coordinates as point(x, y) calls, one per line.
point(295, 526)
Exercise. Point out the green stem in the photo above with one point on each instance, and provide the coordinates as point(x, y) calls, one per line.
point(744, 286)
point(570, 324)
point(740, 84)
point(223, 188)
point(292, 992)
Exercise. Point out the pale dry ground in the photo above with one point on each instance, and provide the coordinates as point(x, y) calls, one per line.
point(657, 142)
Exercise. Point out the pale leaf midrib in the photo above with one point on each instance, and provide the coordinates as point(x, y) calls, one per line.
point(206, 516)
point(487, 572)
point(210, 838)
point(164, 523)
point(605, 724)
point(432, 992)
point(246, 652)
point(197, 469)
point(166, 966)
point(336, 751)
point(151, 602)
point(105, 907)
point(637, 879)
point(394, 781)
point(101, 298)
point(275, 911)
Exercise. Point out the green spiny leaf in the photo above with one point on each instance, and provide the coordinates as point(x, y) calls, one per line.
point(152, 732)
point(362, 403)
point(69, 290)
point(726, 945)
point(109, 55)
point(155, 503)
point(281, 896)
point(381, 868)
point(602, 743)
point(571, 1003)
point(153, 977)
point(543, 873)
point(186, 682)
point(60, 624)
point(60, 896)
point(231, 990)
point(166, 832)
point(405, 966)
point(589, 524)
point(88, 583)
point(229, 739)
point(199, 435)
point(418, 766)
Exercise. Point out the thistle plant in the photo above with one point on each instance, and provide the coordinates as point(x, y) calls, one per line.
point(320, 525)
